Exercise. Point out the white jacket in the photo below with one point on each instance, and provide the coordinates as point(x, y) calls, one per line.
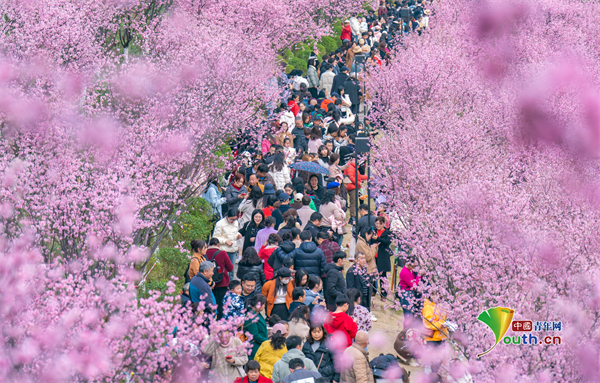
point(281, 177)
point(326, 82)
point(289, 118)
point(225, 231)
point(355, 26)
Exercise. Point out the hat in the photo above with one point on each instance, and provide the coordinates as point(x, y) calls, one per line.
point(298, 197)
point(318, 117)
point(346, 21)
point(283, 196)
point(332, 185)
point(357, 49)
point(269, 189)
point(284, 272)
point(279, 327)
point(366, 49)
point(335, 94)
point(344, 69)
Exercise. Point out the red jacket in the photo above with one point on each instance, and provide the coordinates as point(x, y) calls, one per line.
point(221, 258)
point(261, 379)
point(294, 107)
point(343, 323)
point(346, 33)
point(351, 173)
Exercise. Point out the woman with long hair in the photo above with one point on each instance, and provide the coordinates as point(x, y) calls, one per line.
point(236, 191)
point(359, 313)
point(250, 264)
point(334, 218)
point(271, 351)
point(288, 224)
point(265, 253)
point(315, 348)
point(251, 202)
point(301, 278)
point(315, 140)
point(280, 172)
point(299, 322)
point(250, 229)
point(198, 256)
point(279, 293)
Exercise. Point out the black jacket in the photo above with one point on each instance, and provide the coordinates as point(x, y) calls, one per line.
point(284, 250)
point(355, 280)
point(335, 284)
point(366, 221)
point(383, 252)
point(352, 89)
point(323, 358)
point(314, 230)
point(338, 81)
point(300, 140)
point(257, 270)
point(248, 231)
point(278, 214)
point(310, 258)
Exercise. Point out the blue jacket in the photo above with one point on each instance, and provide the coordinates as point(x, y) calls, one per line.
point(310, 258)
point(200, 292)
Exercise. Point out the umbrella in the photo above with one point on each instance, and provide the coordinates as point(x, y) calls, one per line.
point(308, 166)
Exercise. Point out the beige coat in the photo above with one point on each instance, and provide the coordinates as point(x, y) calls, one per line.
point(298, 328)
point(361, 371)
point(222, 370)
point(225, 231)
point(369, 252)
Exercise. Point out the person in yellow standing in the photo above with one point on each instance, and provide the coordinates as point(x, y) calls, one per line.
point(271, 351)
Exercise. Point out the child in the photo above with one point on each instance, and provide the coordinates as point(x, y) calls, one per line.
point(233, 304)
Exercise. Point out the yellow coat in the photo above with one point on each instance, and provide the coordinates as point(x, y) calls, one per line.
point(435, 320)
point(267, 357)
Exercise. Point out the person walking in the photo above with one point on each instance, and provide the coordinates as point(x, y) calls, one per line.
point(272, 350)
point(226, 231)
point(227, 355)
point(409, 295)
point(249, 204)
point(339, 321)
point(236, 192)
point(278, 292)
point(357, 312)
point(357, 278)
point(200, 288)
point(294, 347)
point(279, 172)
point(308, 256)
point(250, 264)
point(315, 348)
point(334, 281)
point(251, 228)
point(224, 267)
point(350, 172)
point(384, 253)
point(255, 323)
point(313, 77)
point(334, 217)
point(360, 370)
point(198, 256)
point(266, 252)
point(262, 235)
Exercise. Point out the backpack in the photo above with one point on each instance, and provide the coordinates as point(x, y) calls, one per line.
point(382, 363)
point(217, 276)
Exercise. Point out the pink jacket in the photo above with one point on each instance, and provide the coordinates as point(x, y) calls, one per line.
point(407, 279)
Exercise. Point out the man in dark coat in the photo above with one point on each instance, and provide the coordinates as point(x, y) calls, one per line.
point(314, 225)
point(285, 249)
point(284, 198)
point(308, 256)
point(340, 79)
point(352, 89)
point(335, 280)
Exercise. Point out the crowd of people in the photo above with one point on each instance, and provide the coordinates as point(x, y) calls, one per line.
point(277, 261)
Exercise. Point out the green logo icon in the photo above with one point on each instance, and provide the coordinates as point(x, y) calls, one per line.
point(498, 320)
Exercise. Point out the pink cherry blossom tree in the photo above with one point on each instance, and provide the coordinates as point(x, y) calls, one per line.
point(490, 158)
